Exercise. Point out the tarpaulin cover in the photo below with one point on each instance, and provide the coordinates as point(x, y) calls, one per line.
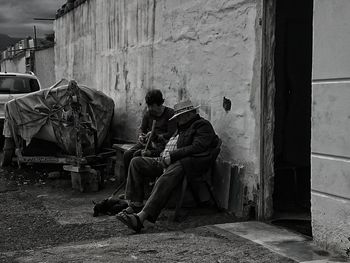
point(47, 114)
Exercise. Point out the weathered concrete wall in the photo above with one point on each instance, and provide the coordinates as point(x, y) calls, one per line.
point(330, 125)
point(17, 64)
point(202, 50)
point(45, 66)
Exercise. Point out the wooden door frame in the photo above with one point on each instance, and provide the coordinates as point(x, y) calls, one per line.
point(267, 116)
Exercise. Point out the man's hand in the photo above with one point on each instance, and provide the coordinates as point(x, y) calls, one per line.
point(166, 160)
point(144, 137)
point(147, 135)
point(141, 138)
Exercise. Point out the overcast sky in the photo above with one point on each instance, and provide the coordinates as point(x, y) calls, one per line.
point(16, 16)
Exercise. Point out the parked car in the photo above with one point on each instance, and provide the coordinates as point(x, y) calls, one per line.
point(14, 85)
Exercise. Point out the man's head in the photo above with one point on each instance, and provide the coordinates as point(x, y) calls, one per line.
point(154, 100)
point(184, 112)
point(186, 117)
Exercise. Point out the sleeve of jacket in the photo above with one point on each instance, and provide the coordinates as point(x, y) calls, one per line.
point(144, 123)
point(202, 139)
point(171, 129)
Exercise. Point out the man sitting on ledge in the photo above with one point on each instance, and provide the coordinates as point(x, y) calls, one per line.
point(163, 128)
point(187, 153)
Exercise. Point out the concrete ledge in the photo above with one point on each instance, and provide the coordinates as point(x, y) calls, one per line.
point(282, 241)
point(330, 221)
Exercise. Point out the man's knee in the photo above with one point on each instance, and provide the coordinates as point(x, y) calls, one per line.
point(174, 168)
point(173, 173)
point(136, 162)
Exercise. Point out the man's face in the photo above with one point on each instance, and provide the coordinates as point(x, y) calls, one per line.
point(186, 117)
point(155, 109)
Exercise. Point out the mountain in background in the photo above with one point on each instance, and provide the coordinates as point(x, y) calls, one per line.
point(6, 41)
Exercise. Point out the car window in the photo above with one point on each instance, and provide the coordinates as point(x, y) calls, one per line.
point(5, 85)
point(34, 85)
point(17, 85)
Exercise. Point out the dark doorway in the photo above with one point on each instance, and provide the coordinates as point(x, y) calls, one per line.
point(292, 135)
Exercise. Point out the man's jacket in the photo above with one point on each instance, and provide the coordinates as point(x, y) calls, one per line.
point(162, 132)
point(195, 144)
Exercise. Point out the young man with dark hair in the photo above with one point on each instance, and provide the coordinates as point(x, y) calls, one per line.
point(154, 96)
point(162, 132)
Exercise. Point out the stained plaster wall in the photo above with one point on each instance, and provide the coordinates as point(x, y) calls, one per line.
point(330, 195)
point(45, 66)
point(202, 50)
point(17, 64)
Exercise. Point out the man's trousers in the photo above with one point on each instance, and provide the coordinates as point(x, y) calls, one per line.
point(147, 167)
point(129, 154)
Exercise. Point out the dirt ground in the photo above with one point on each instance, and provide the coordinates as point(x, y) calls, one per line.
point(43, 220)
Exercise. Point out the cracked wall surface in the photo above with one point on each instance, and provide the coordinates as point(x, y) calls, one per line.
point(205, 50)
point(14, 65)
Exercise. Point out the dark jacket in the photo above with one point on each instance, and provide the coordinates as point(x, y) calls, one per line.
point(163, 126)
point(162, 132)
point(196, 141)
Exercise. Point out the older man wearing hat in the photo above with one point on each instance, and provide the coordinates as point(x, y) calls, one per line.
point(187, 153)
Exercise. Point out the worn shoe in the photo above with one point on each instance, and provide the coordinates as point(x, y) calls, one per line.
point(127, 219)
point(132, 209)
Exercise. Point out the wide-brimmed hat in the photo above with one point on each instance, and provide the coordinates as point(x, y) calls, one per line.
point(183, 107)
